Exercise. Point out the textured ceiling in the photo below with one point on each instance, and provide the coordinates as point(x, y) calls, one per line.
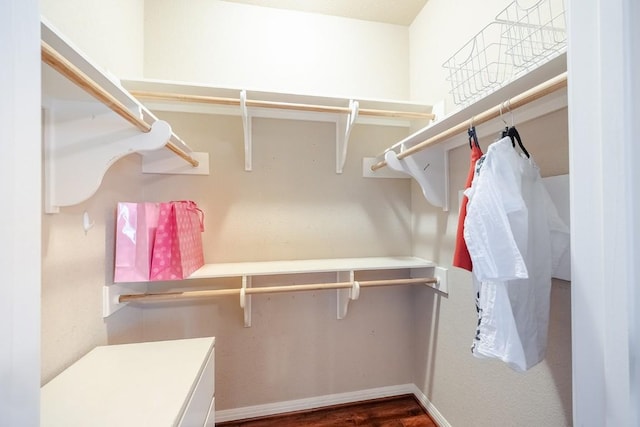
point(400, 12)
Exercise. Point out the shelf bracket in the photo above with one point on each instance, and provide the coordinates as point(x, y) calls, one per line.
point(81, 141)
point(344, 124)
point(430, 170)
point(442, 285)
point(347, 294)
point(245, 300)
point(111, 296)
point(246, 126)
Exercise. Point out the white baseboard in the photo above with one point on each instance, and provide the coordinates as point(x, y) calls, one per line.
point(431, 409)
point(329, 400)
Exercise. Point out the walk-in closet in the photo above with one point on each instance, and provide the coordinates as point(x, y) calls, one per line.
point(338, 157)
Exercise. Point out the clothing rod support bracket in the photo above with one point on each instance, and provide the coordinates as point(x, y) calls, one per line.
point(245, 300)
point(343, 296)
point(81, 142)
point(344, 124)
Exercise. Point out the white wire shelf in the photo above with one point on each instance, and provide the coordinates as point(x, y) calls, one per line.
point(519, 39)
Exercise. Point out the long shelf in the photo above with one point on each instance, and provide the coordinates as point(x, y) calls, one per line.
point(165, 95)
point(533, 78)
point(413, 271)
point(267, 268)
point(344, 112)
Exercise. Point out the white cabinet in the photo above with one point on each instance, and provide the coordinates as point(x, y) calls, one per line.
point(163, 383)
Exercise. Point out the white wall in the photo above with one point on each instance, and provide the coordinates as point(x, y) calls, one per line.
point(291, 206)
point(249, 47)
point(110, 32)
point(75, 266)
point(439, 30)
point(20, 214)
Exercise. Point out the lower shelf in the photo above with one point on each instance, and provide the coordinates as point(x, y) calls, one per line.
point(412, 271)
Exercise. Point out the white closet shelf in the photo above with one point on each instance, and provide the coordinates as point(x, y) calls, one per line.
point(166, 95)
point(91, 121)
point(429, 166)
point(412, 270)
point(266, 268)
point(345, 112)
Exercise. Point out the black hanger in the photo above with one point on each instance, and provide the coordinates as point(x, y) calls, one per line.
point(473, 137)
point(512, 133)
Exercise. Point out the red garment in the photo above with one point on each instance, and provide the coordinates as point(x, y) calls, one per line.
point(461, 257)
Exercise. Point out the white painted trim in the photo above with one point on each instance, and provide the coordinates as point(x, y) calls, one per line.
point(631, 12)
point(329, 400)
point(602, 66)
point(20, 216)
point(430, 407)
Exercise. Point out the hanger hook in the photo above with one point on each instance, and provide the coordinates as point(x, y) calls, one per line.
point(511, 112)
point(501, 117)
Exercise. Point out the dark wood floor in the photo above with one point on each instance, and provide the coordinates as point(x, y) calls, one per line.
point(398, 411)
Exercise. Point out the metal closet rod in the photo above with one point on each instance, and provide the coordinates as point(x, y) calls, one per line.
point(270, 289)
point(165, 96)
point(524, 98)
point(58, 62)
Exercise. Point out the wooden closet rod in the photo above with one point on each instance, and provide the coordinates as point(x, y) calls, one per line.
point(59, 63)
point(269, 289)
point(524, 98)
point(164, 96)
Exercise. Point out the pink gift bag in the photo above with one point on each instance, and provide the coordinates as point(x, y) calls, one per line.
point(136, 225)
point(177, 251)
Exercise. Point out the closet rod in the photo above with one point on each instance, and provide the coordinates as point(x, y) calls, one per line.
point(164, 96)
point(59, 63)
point(524, 98)
point(270, 289)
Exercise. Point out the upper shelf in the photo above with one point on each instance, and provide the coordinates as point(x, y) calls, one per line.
point(519, 85)
point(345, 112)
point(180, 96)
point(424, 154)
point(90, 121)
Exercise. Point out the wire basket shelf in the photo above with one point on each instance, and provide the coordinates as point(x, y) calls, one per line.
point(518, 40)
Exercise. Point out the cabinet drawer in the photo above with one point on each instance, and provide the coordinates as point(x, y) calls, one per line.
point(197, 410)
point(211, 417)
